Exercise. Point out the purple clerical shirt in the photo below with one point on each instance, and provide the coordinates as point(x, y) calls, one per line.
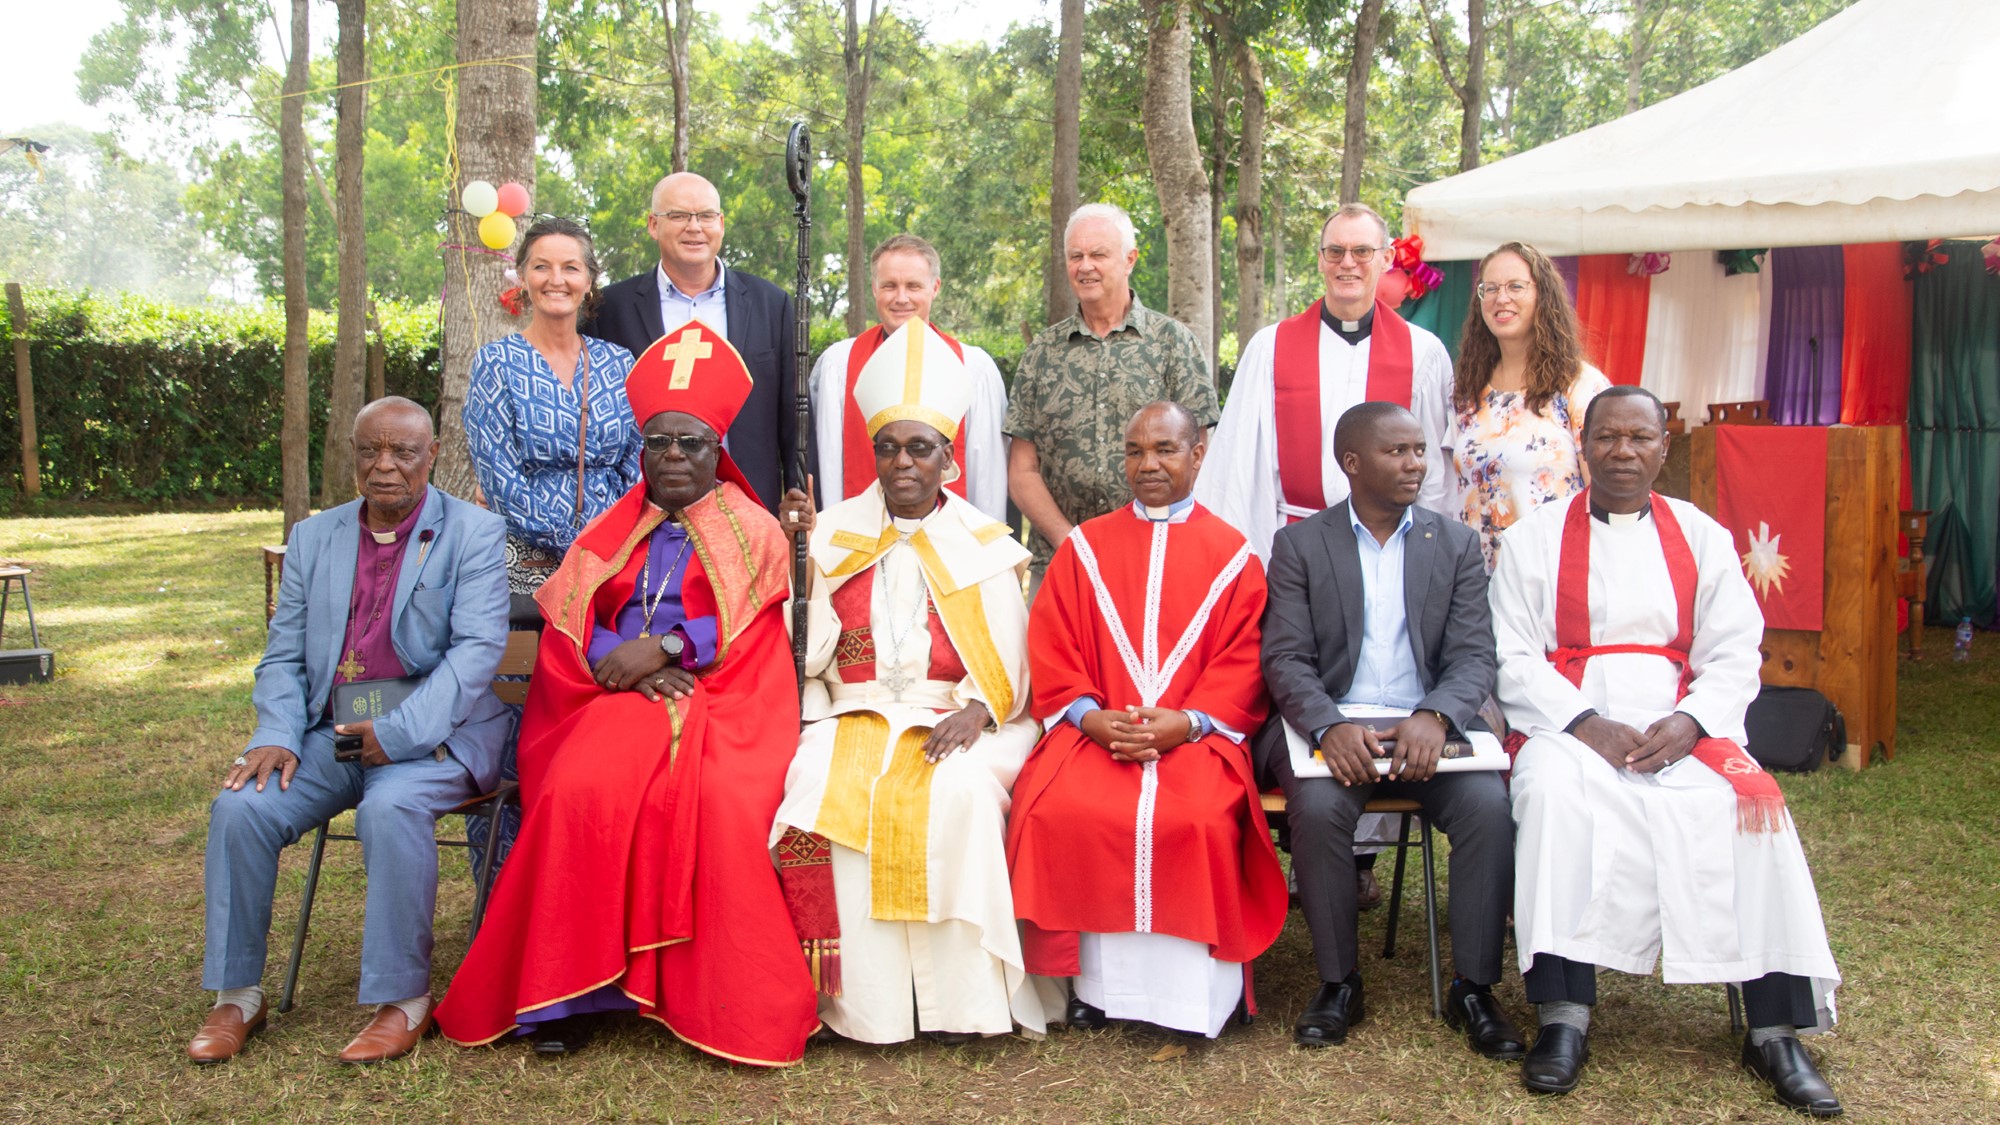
point(368, 652)
point(666, 549)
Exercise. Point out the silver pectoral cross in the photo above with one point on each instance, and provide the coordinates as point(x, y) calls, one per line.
point(896, 679)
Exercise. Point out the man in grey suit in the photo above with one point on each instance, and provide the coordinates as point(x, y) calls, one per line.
point(406, 581)
point(1376, 601)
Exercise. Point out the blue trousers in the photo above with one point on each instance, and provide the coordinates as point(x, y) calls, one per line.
point(396, 810)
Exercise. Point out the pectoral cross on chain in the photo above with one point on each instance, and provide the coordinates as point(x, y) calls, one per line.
point(351, 668)
point(684, 352)
point(896, 680)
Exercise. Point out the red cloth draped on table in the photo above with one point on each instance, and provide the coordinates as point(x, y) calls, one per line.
point(1302, 443)
point(1205, 868)
point(1770, 492)
point(857, 455)
point(642, 860)
point(1611, 303)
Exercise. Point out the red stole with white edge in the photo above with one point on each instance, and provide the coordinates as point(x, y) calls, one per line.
point(857, 460)
point(1760, 805)
point(1295, 368)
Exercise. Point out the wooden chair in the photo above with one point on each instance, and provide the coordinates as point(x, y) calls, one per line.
point(1755, 412)
point(1913, 573)
point(1675, 424)
point(1274, 804)
point(516, 663)
point(274, 569)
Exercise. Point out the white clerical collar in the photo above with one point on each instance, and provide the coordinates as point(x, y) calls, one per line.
point(1620, 519)
point(1176, 512)
point(383, 537)
point(905, 525)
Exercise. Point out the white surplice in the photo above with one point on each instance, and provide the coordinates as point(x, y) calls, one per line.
point(1239, 475)
point(1626, 870)
point(963, 966)
point(980, 443)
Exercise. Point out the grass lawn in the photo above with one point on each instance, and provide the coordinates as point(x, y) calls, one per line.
point(156, 620)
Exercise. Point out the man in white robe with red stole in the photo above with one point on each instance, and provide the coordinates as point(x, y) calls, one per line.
point(1269, 462)
point(917, 709)
point(1645, 834)
point(905, 276)
point(658, 727)
point(1143, 866)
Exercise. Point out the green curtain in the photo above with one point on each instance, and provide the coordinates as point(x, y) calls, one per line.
point(1442, 310)
point(1955, 429)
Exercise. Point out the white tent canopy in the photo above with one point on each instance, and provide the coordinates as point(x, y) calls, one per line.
point(1880, 124)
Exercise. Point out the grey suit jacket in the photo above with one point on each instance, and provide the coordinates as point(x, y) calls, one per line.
point(448, 623)
point(1313, 620)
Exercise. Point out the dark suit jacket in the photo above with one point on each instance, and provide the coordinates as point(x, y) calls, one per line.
point(1312, 621)
point(764, 439)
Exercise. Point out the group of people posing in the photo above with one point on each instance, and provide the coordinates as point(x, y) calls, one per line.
point(986, 813)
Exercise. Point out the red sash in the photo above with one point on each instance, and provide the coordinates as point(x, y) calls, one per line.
point(1295, 370)
point(857, 461)
point(1760, 805)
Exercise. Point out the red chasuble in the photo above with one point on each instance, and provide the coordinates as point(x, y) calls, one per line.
point(1302, 441)
point(1105, 846)
point(642, 860)
point(857, 458)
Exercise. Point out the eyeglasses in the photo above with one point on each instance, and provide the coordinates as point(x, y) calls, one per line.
point(403, 455)
point(1514, 289)
point(692, 445)
point(1360, 254)
point(918, 450)
point(683, 218)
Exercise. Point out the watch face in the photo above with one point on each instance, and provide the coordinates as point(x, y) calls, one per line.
point(672, 644)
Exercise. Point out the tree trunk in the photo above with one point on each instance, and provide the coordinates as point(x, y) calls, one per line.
point(1472, 98)
point(1278, 303)
point(1064, 193)
point(1250, 199)
point(1173, 152)
point(350, 346)
point(858, 57)
point(1635, 59)
point(679, 15)
point(1218, 180)
point(1354, 145)
point(294, 440)
point(495, 130)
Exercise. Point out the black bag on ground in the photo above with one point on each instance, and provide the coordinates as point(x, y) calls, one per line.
point(1794, 729)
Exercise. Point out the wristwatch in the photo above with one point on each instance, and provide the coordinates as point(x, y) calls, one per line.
point(1194, 726)
point(1439, 716)
point(673, 644)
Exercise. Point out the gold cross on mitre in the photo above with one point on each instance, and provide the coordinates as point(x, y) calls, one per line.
point(351, 668)
point(684, 352)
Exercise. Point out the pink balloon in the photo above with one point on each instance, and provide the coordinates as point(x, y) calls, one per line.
point(1393, 289)
point(513, 199)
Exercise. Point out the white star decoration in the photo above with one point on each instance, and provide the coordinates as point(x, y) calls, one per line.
point(1762, 563)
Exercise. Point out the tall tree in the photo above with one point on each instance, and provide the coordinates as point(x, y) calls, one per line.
point(1279, 301)
point(1360, 64)
point(495, 131)
point(857, 56)
point(679, 16)
point(1470, 89)
point(1250, 315)
point(1174, 154)
point(350, 346)
point(1065, 196)
point(294, 444)
point(1219, 50)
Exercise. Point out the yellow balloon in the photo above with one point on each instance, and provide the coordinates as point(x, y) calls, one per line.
point(497, 231)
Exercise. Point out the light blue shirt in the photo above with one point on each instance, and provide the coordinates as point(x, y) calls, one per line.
point(677, 308)
point(1386, 674)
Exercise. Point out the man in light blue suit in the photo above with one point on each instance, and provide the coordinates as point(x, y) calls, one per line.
point(406, 581)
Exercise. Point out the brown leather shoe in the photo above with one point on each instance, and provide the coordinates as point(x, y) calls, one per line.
point(1367, 892)
point(223, 1032)
point(387, 1036)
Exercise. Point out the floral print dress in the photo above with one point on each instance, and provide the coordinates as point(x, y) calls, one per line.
point(1510, 460)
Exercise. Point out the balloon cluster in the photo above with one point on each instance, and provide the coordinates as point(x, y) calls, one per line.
point(496, 209)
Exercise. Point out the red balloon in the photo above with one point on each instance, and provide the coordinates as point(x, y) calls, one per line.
point(1393, 289)
point(513, 199)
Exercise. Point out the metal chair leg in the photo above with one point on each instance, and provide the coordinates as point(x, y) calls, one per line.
point(1431, 921)
point(1736, 1020)
point(1396, 888)
point(305, 921)
point(482, 886)
point(28, 603)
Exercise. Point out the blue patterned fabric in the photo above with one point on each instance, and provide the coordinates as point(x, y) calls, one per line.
point(521, 427)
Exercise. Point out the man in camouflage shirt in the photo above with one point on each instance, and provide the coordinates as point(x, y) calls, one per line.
point(1082, 377)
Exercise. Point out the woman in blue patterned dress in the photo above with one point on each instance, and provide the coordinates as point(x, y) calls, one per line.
point(551, 437)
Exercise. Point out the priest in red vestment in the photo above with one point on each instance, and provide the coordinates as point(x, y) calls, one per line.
point(1142, 864)
point(661, 718)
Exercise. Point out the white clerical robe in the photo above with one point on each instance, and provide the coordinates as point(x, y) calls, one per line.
point(962, 963)
point(1239, 475)
point(1626, 870)
point(983, 446)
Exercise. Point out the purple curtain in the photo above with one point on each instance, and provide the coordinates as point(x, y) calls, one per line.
point(1566, 265)
point(1802, 368)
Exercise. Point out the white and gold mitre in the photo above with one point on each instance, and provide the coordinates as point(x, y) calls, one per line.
point(914, 377)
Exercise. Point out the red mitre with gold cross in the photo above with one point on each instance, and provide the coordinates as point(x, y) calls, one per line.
point(693, 370)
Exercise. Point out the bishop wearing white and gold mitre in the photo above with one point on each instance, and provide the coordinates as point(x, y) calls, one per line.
point(915, 705)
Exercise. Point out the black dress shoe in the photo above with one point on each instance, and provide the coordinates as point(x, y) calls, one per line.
point(1554, 1063)
point(565, 1036)
point(1334, 1009)
point(1783, 1063)
point(1487, 1028)
point(1086, 1017)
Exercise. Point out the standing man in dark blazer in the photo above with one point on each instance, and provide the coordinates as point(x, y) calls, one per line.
point(1376, 601)
point(754, 315)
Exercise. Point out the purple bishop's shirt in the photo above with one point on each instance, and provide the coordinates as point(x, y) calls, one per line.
point(376, 568)
point(667, 547)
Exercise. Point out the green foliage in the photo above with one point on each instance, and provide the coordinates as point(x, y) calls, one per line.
point(146, 402)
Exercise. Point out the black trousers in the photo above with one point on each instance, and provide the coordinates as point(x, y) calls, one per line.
point(1773, 998)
